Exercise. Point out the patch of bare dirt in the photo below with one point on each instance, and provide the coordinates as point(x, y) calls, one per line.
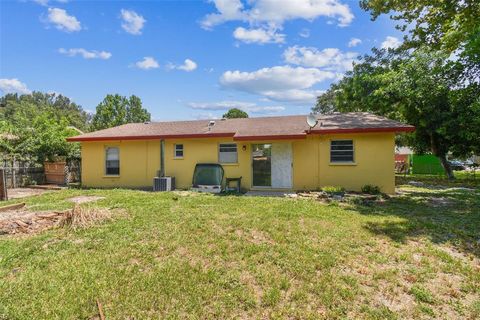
point(249, 280)
point(84, 199)
point(395, 298)
point(19, 193)
point(255, 236)
point(186, 193)
point(388, 283)
point(460, 255)
point(193, 259)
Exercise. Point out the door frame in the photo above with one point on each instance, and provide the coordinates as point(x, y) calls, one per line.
point(251, 168)
point(253, 187)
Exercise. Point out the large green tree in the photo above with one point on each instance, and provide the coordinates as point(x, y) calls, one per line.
point(431, 81)
point(449, 26)
point(35, 126)
point(16, 109)
point(116, 110)
point(235, 113)
point(41, 138)
point(422, 88)
point(48, 138)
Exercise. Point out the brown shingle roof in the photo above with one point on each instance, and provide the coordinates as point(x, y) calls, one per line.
point(282, 127)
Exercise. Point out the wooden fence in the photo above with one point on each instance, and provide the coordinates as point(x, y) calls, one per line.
point(3, 188)
point(19, 174)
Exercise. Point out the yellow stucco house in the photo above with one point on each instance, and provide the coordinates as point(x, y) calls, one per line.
point(276, 153)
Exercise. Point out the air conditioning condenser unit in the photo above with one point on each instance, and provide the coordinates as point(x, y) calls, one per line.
point(163, 183)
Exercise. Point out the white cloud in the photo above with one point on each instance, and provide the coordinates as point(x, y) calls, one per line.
point(147, 63)
point(93, 54)
point(13, 86)
point(274, 78)
point(205, 116)
point(354, 42)
point(45, 2)
point(273, 13)
point(305, 33)
point(280, 83)
point(132, 22)
point(259, 35)
point(226, 105)
point(41, 2)
point(188, 66)
point(391, 43)
point(293, 96)
point(228, 10)
point(62, 20)
point(332, 59)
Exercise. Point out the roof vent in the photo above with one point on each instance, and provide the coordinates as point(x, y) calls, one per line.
point(146, 122)
point(211, 123)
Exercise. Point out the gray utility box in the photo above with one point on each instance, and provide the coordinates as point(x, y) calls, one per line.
point(163, 183)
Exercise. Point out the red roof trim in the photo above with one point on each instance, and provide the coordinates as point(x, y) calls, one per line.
point(244, 138)
point(271, 137)
point(364, 130)
point(152, 137)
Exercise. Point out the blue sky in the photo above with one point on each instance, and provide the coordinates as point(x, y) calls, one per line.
point(186, 59)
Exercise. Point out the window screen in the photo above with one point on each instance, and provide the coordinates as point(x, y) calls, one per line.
point(341, 151)
point(227, 153)
point(112, 161)
point(178, 151)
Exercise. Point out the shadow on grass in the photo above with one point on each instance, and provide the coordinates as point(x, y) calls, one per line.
point(448, 215)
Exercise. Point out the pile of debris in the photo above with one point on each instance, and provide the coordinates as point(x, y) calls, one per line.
point(15, 219)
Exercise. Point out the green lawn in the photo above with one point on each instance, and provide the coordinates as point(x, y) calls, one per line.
point(204, 256)
point(462, 178)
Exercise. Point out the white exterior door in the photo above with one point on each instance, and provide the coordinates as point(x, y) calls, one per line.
point(282, 165)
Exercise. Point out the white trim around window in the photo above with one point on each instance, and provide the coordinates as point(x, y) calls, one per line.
point(227, 153)
point(112, 161)
point(178, 151)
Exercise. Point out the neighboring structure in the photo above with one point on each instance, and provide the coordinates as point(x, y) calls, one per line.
point(426, 164)
point(349, 150)
point(402, 159)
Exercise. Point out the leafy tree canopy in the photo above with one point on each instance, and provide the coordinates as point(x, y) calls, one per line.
point(235, 113)
point(116, 110)
point(450, 26)
point(421, 88)
point(35, 126)
point(16, 108)
point(431, 81)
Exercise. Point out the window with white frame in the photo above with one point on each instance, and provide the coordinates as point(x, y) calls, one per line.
point(227, 153)
point(178, 151)
point(341, 151)
point(112, 161)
